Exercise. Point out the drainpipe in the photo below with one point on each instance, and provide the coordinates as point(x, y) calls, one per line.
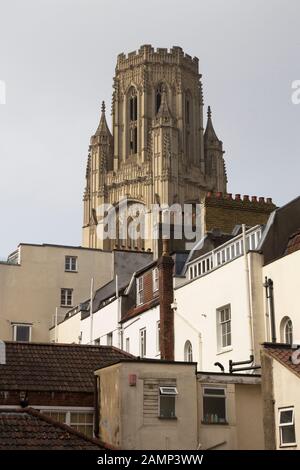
point(248, 293)
point(120, 345)
point(270, 296)
point(91, 310)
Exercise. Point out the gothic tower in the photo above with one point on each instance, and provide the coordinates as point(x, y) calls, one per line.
point(158, 150)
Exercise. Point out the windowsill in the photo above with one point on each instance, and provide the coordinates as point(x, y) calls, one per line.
point(215, 424)
point(67, 306)
point(74, 272)
point(285, 446)
point(225, 350)
point(164, 418)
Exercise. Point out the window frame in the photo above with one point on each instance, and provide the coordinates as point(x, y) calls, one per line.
point(188, 351)
point(221, 327)
point(288, 324)
point(283, 425)
point(140, 290)
point(69, 264)
point(15, 327)
point(143, 342)
point(158, 336)
point(66, 290)
point(171, 393)
point(109, 339)
point(155, 279)
point(67, 411)
point(217, 396)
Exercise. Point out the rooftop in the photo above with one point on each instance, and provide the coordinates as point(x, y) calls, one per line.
point(55, 367)
point(27, 429)
point(283, 354)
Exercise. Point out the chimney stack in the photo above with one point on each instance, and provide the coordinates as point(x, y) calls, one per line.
point(166, 297)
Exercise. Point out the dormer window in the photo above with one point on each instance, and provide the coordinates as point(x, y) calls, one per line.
point(139, 290)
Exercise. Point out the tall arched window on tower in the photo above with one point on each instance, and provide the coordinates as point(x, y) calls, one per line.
point(188, 351)
point(286, 330)
point(158, 95)
point(188, 123)
point(133, 113)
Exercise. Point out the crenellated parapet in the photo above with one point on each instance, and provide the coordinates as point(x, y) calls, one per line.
point(147, 54)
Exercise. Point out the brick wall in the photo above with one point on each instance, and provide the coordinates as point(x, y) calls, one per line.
point(224, 211)
point(165, 266)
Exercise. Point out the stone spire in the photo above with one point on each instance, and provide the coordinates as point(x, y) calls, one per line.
point(210, 135)
point(164, 113)
point(103, 128)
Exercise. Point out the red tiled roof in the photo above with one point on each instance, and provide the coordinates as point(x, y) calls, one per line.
point(55, 367)
point(27, 429)
point(283, 354)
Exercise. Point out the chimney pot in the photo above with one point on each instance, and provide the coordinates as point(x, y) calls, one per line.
point(237, 197)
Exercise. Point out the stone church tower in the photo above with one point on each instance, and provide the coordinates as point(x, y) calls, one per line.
point(158, 151)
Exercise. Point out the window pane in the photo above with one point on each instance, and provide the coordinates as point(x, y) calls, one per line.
point(167, 407)
point(214, 409)
point(22, 333)
point(286, 416)
point(288, 435)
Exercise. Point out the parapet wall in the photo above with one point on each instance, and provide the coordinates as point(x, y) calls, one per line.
point(225, 211)
point(147, 54)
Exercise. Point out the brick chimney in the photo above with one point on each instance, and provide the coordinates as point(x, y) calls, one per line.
point(166, 297)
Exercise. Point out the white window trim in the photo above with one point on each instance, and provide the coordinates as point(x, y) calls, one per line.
point(66, 297)
point(70, 257)
point(139, 290)
point(16, 324)
point(229, 347)
point(143, 333)
point(282, 425)
point(170, 395)
point(215, 396)
point(158, 336)
point(155, 279)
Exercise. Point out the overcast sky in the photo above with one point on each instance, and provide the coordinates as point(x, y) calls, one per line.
point(57, 58)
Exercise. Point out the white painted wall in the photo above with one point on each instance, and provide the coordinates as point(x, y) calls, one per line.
point(286, 394)
point(196, 318)
point(68, 331)
point(131, 330)
point(285, 275)
point(105, 321)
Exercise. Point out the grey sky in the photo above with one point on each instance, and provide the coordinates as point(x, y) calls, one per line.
point(57, 58)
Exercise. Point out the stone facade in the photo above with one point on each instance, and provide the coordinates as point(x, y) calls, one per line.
point(158, 152)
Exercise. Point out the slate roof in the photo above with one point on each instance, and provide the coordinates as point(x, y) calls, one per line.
point(55, 367)
point(283, 354)
point(28, 429)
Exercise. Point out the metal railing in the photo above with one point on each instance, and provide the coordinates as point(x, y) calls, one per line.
point(225, 253)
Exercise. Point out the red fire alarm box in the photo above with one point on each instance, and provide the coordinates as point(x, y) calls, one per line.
point(132, 380)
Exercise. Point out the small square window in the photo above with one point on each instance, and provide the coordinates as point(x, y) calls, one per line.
point(22, 332)
point(71, 263)
point(167, 402)
point(66, 297)
point(214, 405)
